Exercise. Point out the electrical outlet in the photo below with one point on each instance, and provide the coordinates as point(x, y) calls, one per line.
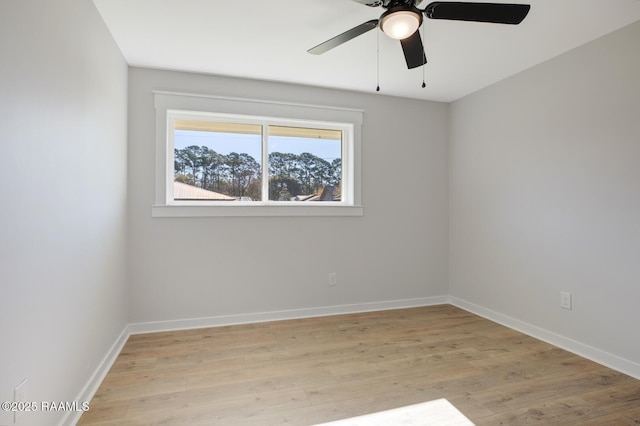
point(20, 396)
point(333, 279)
point(565, 300)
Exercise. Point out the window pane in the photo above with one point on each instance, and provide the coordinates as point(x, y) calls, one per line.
point(305, 164)
point(217, 161)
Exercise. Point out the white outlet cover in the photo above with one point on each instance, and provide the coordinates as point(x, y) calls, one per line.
point(20, 394)
point(333, 279)
point(565, 300)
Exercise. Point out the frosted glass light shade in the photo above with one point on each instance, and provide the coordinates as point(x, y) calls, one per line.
point(400, 24)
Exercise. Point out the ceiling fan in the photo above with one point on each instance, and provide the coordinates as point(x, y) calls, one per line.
point(402, 18)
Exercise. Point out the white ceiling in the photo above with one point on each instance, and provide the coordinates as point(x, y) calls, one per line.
point(268, 40)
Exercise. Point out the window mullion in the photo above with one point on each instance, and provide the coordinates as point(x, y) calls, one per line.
point(265, 163)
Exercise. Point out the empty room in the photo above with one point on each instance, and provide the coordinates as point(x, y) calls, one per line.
point(319, 211)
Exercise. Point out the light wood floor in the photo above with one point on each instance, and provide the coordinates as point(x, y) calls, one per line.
point(302, 372)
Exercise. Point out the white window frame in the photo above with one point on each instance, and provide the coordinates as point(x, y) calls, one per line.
point(170, 106)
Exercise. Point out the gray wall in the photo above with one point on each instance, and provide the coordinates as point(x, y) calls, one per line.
point(545, 195)
point(63, 94)
point(190, 268)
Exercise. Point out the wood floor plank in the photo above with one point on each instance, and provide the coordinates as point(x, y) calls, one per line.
point(313, 370)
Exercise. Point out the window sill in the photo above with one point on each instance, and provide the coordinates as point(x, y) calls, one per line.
point(261, 210)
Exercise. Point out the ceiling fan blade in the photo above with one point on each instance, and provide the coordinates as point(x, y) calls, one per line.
point(372, 3)
point(344, 37)
point(499, 13)
point(413, 50)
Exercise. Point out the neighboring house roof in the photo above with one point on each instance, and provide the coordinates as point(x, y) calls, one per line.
point(182, 191)
point(326, 195)
point(312, 197)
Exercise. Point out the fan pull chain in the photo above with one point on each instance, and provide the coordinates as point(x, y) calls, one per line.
point(423, 65)
point(378, 60)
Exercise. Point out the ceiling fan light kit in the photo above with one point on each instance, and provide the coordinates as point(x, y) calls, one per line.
point(402, 19)
point(400, 22)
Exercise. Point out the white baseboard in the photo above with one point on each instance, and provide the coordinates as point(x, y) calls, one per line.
point(89, 390)
point(190, 323)
point(615, 362)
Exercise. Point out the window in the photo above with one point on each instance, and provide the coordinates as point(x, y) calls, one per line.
point(220, 159)
point(286, 160)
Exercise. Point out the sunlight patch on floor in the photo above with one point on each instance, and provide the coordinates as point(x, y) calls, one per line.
point(438, 412)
